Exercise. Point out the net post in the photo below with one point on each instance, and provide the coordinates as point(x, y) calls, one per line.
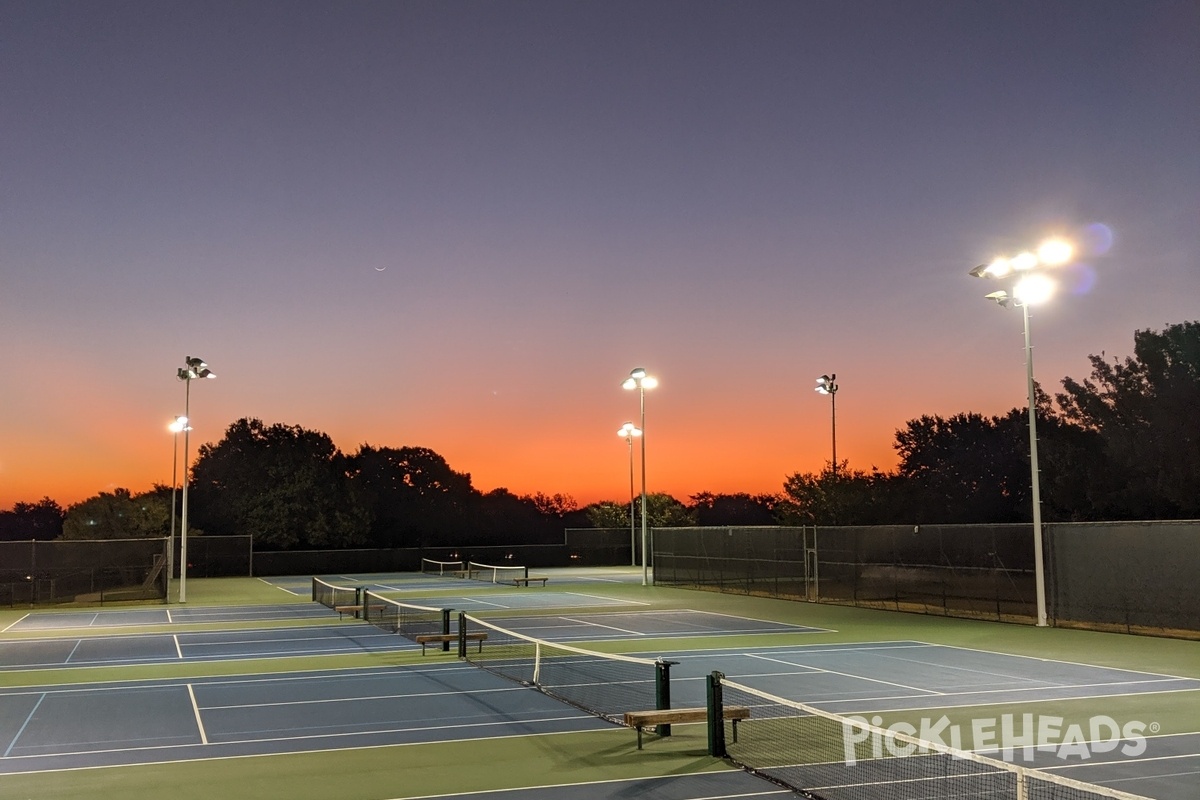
point(662, 691)
point(360, 600)
point(716, 716)
point(446, 629)
point(462, 634)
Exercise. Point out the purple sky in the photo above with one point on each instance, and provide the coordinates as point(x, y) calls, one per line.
point(459, 225)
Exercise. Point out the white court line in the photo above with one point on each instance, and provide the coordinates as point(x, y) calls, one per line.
point(170, 621)
point(95, 619)
point(73, 649)
point(280, 588)
point(606, 627)
point(16, 622)
point(611, 600)
point(196, 711)
point(178, 649)
point(1061, 661)
point(969, 700)
point(486, 603)
point(700, 775)
point(274, 739)
point(24, 725)
point(928, 692)
point(364, 698)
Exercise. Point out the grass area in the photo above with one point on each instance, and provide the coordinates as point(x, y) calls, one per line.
point(380, 773)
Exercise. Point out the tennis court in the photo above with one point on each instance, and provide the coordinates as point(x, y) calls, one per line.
point(298, 703)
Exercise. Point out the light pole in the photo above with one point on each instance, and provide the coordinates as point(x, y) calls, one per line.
point(638, 379)
point(629, 431)
point(175, 427)
point(192, 369)
point(826, 385)
point(1032, 289)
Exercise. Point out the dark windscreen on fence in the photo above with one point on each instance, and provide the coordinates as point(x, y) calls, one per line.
point(1131, 576)
point(981, 571)
point(72, 571)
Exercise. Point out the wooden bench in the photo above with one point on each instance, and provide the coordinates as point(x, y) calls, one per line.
point(668, 716)
point(527, 581)
point(425, 639)
point(355, 609)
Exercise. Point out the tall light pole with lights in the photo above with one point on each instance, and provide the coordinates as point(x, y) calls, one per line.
point(826, 385)
point(192, 369)
point(180, 424)
point(638, 379)
point(628, 432)
point(1031, 287)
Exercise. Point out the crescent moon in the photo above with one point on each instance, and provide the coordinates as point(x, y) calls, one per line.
point(380, 269)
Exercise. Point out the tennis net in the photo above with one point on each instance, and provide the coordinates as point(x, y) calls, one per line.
point(495, 574)
point(442, 568)
point(331, 596)
point(831, 757)
point(603, 684)
point(406, 619)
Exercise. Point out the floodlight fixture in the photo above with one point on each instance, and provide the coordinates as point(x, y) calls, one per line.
point(628, 431)
point(1033, 288)
point(193, 368)
point(639, 379)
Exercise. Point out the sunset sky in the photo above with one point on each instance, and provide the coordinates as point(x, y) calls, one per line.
point(459, 225)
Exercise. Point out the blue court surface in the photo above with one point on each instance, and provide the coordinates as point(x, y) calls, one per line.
point(346, 636)
point(889, 676)
point(174, 615)
point(63, 727)
point(59, 727)
point(515, 600)
point(642, 624)
point(198, 646)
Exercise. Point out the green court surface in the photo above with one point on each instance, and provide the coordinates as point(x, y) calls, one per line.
point(604, 753)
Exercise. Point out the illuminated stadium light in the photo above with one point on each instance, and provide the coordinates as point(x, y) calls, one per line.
point(627, 432)
point(826, 385)
point(640, 380)
point(193, 368)
point(1032, 289)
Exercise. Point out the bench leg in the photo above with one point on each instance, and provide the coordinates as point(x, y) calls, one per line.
point(735, 722)
point(639, 730)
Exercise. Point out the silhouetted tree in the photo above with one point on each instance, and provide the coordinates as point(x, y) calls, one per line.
point(415, 498)
point(968, 467)
point(284, 485)
point(847, 497)
point(42, 520)
point(734, 509)
point(556, 505)
point(1144, 411)
point(118, 515)
point(607, 514)
point(664, 511)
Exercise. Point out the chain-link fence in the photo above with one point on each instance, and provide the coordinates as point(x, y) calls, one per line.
point(1138, 577)
point(1132, 576)
point(70, 571)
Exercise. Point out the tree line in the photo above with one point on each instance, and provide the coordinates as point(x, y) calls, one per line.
point(1122, 444)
